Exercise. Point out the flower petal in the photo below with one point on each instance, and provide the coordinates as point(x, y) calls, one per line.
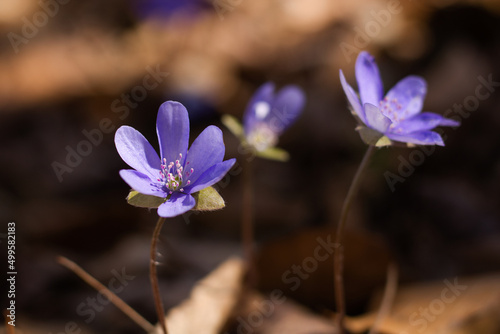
point(409, 94)
point(418, 138)
point(211, 176)
point(256, 108)
point(136, 151)
point(207, 150)
point(375, 119)
point(370, 85)
point(421, 122)
point(177, 204)
point(172, 128)
point(286, 108)
point(141, 183)
point(352, 97)
point(448, 122)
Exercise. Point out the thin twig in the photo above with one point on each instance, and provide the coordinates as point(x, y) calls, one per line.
point(338, 255)
point(154, 277)
point(247, 229)
point(391, 286)
point(118, 302)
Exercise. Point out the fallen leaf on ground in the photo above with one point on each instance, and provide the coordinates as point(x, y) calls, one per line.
point(451, 306)
point(212, 301)
point(273, 313)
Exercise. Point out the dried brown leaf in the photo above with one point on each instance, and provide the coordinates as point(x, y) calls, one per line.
point(451, 306)
point(211, 302)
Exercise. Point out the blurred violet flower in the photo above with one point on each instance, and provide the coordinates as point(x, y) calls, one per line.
point(180, 172)
point(164, 9)
point(268, 114)
point(395, 117)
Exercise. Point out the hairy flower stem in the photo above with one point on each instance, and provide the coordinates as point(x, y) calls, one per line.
point(247, 229)
point(154, 277)
point(338, 255)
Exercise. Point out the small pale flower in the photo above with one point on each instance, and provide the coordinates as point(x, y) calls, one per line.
point(178, 173)
point(395, 117)
point(266, 117)
point(268, 114)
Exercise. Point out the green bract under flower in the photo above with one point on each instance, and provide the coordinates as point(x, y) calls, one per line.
point(207, 199)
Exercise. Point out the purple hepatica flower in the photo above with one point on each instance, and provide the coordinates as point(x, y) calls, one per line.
point(179, 172)
point(163, 9)
point(397, 116)
point(268, 115)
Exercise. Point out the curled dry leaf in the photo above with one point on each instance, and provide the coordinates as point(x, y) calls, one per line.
point(451, 306)
point(212, 301)
point(273, 313)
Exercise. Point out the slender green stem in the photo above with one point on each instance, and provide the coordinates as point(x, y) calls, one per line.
point(247, 230)
point(154, 277)
point(338, 255)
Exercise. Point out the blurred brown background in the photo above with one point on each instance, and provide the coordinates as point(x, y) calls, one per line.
point(70, 70)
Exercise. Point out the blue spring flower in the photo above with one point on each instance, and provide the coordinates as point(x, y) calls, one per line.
point(267, 114)
point(179, 172)
point(397, 116)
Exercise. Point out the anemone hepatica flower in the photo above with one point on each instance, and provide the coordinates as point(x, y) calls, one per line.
point(267, 114)
point(164, 9)
point(178, 173)
point(397, 116)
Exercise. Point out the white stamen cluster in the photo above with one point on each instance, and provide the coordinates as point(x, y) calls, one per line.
point(172, 175)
